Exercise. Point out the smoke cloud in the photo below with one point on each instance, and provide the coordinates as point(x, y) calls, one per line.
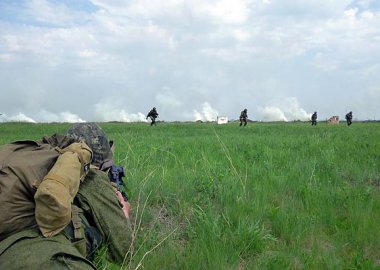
point(44, 117)
point(108, 112)
point(68, 117)
point(287, 110)
point(206, 114)
point(20, 117)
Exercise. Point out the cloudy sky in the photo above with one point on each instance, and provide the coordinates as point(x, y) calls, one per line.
point(101, 60)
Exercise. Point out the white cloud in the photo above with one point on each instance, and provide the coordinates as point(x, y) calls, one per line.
point(240, 34)
point(56, 14)
point(167, 99)
point(87, 53)
point(351, 13)
point(218, 11)
point(230, 49)
point(228, 11)
point(6, 57)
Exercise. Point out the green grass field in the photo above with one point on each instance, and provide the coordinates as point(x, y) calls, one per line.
point(265, 196)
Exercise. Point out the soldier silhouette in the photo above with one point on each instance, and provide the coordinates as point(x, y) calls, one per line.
point(243, 117)
point(349, 118)
point(152, 115)
point(314, 119)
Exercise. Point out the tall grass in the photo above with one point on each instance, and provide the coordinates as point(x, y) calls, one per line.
point(264, 196)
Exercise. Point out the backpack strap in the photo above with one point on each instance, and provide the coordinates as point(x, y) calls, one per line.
point(86, 238)
point(77, 222)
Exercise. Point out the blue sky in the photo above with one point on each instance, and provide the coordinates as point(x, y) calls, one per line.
point(101, 60)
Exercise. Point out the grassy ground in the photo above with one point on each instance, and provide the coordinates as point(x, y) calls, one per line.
point(264, 196)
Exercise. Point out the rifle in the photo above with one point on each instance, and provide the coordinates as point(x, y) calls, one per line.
point(116, 174)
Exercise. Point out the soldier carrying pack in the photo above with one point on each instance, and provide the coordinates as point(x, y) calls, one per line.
point(54, 208)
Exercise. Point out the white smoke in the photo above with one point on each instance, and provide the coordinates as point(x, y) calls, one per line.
point(288, 109)
point(44, 117)
point(20, 117)
point(68, 117)
point(207, 113)
point(107, 112)
point(272, 114)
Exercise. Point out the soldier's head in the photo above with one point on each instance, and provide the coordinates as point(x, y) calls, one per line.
point(96, 139)
point(245, 110)
point(154, 108)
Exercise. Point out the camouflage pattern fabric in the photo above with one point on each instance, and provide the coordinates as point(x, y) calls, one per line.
point(57, 140)
point(95, 138)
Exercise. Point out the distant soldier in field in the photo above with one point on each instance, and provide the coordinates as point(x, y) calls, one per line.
point(152, 115)
point(314, 119)
point(243, 117)
point(349, 118)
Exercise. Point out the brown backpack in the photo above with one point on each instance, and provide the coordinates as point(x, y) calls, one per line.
point(23, 166)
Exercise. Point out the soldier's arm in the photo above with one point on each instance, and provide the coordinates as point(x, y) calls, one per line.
point(97, 192)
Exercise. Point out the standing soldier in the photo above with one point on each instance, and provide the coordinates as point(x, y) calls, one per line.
point(314, 119)
point(153, 115)
point(243, 117)
point(349, 118)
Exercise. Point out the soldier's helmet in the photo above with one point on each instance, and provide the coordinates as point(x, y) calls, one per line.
point(95, 138)
point(245, 110)
point(154, 108)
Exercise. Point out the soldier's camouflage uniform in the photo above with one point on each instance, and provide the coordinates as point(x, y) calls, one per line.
point(101, 215)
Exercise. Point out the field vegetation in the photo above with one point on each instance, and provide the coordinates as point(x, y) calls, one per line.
point(264, 196)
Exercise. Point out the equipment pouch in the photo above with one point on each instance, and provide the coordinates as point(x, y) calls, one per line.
point(56, 192)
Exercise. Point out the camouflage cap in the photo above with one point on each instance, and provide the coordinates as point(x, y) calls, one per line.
point(95, 138)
